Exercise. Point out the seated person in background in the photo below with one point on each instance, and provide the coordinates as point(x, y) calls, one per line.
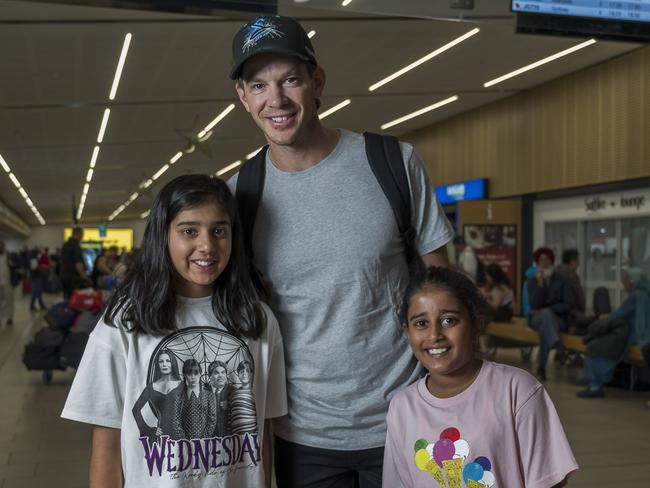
point(498, 293)
point(568, 269)
point(609, 338)
point(551, 304)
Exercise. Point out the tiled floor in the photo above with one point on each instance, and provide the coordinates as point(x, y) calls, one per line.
point(610, 437)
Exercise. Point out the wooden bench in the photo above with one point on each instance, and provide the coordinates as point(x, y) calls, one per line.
point(518, 330)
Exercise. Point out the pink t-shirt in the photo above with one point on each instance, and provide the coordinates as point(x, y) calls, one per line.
point(502, 431)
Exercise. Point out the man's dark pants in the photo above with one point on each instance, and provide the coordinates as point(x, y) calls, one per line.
point(298, 466)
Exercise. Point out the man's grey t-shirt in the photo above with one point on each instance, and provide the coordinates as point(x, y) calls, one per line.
point(328, 241)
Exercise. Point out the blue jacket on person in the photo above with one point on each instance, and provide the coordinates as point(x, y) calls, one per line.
point(525, 302)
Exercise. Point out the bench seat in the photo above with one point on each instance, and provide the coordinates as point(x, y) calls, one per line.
point(519, 331)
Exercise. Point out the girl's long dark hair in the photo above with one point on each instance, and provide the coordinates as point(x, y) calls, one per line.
point(146, 301)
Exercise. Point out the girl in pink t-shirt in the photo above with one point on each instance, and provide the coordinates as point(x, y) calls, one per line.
point(468, 423)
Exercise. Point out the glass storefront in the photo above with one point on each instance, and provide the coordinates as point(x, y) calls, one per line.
point(605, 246)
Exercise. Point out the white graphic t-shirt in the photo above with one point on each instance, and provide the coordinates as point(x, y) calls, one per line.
point(190, 406)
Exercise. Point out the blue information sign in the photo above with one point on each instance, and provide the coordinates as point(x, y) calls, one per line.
point(465, 190)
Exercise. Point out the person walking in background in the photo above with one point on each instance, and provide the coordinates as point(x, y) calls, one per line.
point(38, 274)
point(551, 304)
point(6, 288)
point(73, 272)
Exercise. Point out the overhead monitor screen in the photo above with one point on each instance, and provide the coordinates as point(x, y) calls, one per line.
point(464, 190)
point(633, 10)
point(621, 21)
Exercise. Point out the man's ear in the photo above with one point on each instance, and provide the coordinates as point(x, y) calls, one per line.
point(319, 81)
point(241, 92)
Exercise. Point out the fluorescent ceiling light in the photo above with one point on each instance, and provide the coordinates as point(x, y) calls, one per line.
point(174, 159)
point(89, 175)
point(539, 63)
point(330, 111)
point(120, 65)
point(345, 3)
point(144, 215)
point(251, 154)
point(102, 127)
point(86, 188)
point(160, 172)
point(217, 119)
point(93, 159)
point(230, 167)
point(21, 190)
point(419, 112)
point(424, 59)
point(311, 33)
point(15, 181)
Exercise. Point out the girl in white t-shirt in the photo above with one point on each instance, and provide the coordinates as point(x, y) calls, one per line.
point(468, 423)
point(145, 379)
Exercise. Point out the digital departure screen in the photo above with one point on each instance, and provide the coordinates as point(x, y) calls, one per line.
point(632, 10)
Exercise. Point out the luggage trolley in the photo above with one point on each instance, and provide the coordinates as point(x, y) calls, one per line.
point(62, 342)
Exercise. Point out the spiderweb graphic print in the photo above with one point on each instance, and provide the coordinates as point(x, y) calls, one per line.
point(205, 345)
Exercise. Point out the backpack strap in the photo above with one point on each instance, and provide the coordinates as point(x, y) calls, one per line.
point(387, 164)
point(250, 185)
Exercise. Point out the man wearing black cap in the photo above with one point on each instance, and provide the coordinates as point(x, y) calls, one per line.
point(326, 238)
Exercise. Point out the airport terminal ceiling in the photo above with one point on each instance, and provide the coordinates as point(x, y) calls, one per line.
point(59, 62)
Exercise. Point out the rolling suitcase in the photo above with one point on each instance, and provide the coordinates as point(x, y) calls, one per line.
point(73, 348)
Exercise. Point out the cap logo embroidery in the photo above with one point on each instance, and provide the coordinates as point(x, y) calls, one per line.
point(258, 30)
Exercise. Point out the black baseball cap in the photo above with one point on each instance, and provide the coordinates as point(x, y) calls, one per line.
point(270, 34)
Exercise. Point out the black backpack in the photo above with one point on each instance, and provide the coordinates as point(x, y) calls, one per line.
point(385, 159)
